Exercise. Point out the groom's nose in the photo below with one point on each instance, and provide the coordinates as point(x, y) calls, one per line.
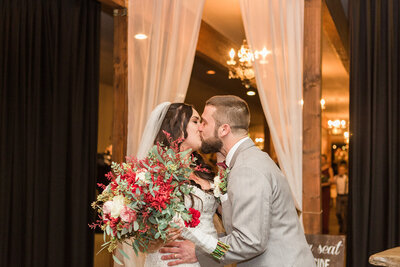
point(201, 127)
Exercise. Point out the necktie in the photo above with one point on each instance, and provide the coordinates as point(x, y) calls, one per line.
point(222, 165)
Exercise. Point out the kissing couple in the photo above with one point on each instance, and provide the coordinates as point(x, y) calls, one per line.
point(258, 212)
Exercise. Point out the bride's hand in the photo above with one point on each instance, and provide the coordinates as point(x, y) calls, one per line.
point(173, 234)
point(155, 245)
point(204, 184)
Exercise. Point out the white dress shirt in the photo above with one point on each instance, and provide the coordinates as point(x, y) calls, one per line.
point(233, 149)
point(342, 184)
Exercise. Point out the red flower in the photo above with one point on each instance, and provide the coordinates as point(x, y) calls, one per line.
point(161, 197)
point(195, 218)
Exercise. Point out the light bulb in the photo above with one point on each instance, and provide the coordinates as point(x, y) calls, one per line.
point(140, 36)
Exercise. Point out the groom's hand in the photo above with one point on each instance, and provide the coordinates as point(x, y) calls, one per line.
point(182, 251)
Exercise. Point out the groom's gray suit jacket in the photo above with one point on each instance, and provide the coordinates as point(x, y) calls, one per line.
point(259, 215)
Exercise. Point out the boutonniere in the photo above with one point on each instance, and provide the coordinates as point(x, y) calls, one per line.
point(221, 182)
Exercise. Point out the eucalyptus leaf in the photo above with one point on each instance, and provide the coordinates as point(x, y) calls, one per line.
point(117, 260)
point(186, 217)
point(101, 250)
point(124, 231)
point(135, 248)
point(147, 166)
point(170, 152)
point(108, 229)
point(160, 158)
point(106, 244)
point(152, 220)
point(132, 205)
point(123, 253)
point(174, 225)
point(162, 226)
point(185, 153)
point(135, 226)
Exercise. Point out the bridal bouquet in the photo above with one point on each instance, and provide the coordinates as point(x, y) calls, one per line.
point(146, 196)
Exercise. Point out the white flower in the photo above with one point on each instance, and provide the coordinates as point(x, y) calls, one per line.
point(141, 176)
point(217, 189)
point(117, 205)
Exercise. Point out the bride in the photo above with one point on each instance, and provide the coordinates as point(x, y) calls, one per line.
point(180, 120)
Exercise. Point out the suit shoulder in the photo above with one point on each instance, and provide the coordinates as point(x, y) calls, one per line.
point(254, 157)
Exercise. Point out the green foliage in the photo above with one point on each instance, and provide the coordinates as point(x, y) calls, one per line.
point(163, 169)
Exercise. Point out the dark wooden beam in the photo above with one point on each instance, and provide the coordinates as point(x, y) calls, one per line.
point(312, 116)
point(336, 27)
point(214, 46)
point(115, 4)
point(120, 114)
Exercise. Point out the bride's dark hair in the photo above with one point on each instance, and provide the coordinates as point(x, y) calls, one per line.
point(175, 123)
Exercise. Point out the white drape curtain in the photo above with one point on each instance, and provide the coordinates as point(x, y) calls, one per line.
point(278, 26)
point(160, 66)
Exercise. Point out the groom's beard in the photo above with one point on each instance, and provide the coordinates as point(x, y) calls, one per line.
point(211, 145)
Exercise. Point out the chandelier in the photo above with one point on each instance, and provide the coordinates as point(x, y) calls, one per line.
point(243, 69)
point(337, 126)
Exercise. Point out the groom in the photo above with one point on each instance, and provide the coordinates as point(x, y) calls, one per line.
point(258, 212)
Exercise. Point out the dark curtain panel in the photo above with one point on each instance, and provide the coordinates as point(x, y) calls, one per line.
point(374, 205)
point(49, 65)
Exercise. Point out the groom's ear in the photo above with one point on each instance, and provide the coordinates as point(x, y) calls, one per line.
point(224, 130)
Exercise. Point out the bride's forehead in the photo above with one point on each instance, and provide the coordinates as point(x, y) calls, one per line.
point(195, 113)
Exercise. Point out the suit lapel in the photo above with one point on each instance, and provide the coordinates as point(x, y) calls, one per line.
point(245, 145)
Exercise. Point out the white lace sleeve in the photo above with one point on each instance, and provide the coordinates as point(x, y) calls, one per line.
point(206, 242)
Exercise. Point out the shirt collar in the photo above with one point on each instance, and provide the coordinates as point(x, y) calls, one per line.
point(233, 150)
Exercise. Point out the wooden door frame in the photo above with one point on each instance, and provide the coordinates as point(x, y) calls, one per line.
point(313, 10)
point(120, 63)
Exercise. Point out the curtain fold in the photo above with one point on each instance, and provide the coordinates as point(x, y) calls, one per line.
point(374, 160)
point(278, 27)
point(159, 67)
point(49, 65)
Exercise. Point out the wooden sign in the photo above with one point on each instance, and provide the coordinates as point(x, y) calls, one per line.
point(328, 250)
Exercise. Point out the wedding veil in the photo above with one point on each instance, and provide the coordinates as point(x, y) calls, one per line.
point(151, 129)
point(149, 134)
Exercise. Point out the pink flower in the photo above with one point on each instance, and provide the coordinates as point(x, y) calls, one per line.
point(107, 207)
point(127, 215)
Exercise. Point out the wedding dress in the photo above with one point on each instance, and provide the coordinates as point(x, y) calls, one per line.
point(203, 202)
point(207, 205)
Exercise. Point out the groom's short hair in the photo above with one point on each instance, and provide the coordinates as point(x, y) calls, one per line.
point(231, 110)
